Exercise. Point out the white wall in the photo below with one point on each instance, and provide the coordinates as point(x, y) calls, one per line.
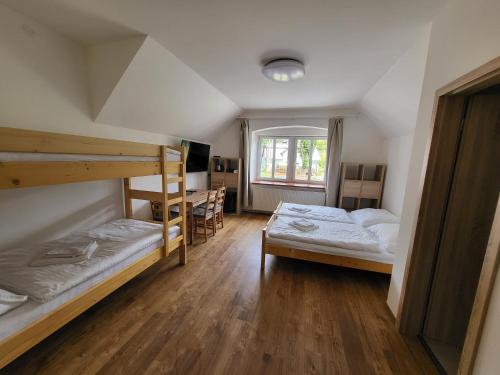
point(107, 62)
point(164, 95)
point(227, 141)
point(464, 35)
point(398, 159)
point(363, 142)
point(44, 87)
point(392, 103)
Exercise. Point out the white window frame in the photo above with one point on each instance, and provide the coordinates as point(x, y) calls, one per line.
point(292, 153)
point(259, 159)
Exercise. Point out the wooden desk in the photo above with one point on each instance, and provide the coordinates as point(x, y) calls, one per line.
point(193, 200)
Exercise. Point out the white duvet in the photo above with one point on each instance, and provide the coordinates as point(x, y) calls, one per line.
point(343, 235)
point(117, 240)
point(315, 212)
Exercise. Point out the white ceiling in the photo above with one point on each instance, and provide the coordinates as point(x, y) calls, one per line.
point(347, 45)
point(161, 94)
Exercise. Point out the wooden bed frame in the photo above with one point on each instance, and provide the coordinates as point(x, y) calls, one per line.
point(39, 173)
point(336, 260)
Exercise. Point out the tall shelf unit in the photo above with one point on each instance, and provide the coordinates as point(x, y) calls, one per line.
point(361, 185)
point(227, 172)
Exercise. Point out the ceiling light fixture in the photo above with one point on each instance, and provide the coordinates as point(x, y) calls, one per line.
point(284, 70)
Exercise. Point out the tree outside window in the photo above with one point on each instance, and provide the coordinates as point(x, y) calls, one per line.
point(306, 154)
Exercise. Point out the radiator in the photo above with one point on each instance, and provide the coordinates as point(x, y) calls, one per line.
point(265, 198)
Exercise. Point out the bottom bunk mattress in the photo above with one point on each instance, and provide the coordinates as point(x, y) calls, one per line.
point(116, 241)
point(24, 315)
point(335, 238)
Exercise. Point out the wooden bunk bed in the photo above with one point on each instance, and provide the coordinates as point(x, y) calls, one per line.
point(130, 160)
point(314, 256)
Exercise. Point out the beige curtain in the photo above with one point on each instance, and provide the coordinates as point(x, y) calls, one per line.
point(245, 156)
point(333, 159)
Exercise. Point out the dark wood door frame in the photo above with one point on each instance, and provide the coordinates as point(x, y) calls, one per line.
point(448, 113)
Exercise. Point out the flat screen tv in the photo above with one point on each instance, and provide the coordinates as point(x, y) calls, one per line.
point(197, 156)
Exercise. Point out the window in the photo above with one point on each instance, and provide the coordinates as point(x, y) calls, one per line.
point(274, 158)
point(292, 159)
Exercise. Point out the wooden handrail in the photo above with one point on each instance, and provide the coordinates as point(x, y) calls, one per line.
point(174, 243)
point(29, 174)
point(175, 221)
point(174, 180)
point(22, 140)
point(146, 195)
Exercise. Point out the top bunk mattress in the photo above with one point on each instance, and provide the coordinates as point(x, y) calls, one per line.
point(172, 155)
point(315, 212)
point(116, 240)
point(331, 234)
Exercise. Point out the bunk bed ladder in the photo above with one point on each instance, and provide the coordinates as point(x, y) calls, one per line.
point(167, 199)
point(183, 212)
point(178, 198)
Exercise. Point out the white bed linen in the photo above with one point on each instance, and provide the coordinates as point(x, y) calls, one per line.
point(387, 234)
point(21, 317)
point(9, 301)
point(316, 212)
point(117, 240)
point(372, 216)
point(172, 155)
point(380, 256)
point(329, 233)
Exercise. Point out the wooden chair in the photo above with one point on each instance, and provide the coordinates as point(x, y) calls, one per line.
point(204, 217)
point(219, 206)
point(215, 184)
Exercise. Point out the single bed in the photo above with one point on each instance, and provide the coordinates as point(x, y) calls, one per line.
point(347, 244)
point(50, 287)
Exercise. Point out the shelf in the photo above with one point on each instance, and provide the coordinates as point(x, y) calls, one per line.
point(361, 185)
point(229, 176)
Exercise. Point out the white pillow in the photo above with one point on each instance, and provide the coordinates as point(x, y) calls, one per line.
point(372, 216)
point(9, 301)
point(387, 234)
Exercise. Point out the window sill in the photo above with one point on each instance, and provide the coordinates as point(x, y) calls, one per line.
point(293, 185)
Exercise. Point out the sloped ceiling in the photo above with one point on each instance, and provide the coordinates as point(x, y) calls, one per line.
point(347, 45)
point(107, 64)
point(215, 50)
point(156, 91)
point(392, 103)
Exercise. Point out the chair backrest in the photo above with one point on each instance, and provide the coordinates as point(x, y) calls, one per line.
point(211, 202)
point(215, 184)
point(221, 197)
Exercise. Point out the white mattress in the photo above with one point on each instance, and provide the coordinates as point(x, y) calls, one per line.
point(31, 311)
point(380, 256)
point(315, 212)
point(117, 241)
point(172, 155)
point(328, 233)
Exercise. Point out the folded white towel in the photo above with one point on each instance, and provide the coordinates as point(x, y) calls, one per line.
point(9, 301)
point(74, 251)
point(303, 223)
point(47, 260)
point(302, 228)
point(301, 210)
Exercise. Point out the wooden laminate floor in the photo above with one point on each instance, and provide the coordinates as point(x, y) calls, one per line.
point(220, 315)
